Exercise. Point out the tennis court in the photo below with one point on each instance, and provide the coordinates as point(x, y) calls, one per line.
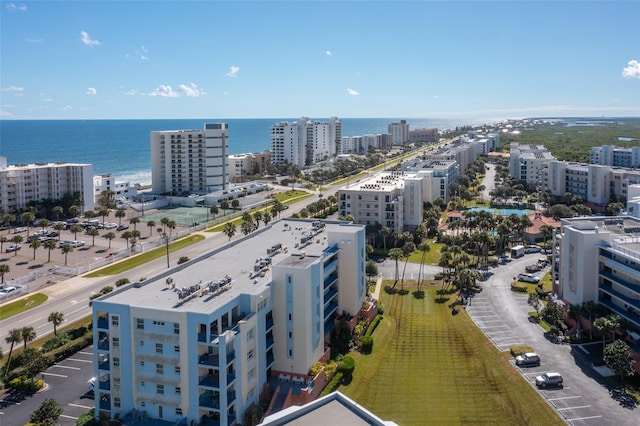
point(182, 216)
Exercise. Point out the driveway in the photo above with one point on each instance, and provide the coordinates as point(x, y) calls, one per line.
point(586, 398)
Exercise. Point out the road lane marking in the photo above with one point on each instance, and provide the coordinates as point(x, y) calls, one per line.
point(55, 375)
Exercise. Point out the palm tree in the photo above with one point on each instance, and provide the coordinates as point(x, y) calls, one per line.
point(4, 269)
point(424, 247)
point(27, 219)
point(59, 226)
point(386, 232)
point(396, 254)
point(49, 245)
point(28, 334)
point(66, 249)
point(407, 249)
point(606, 326)
point(134, 221)
point(93, 233)
point(75, 229)
point(43, 223)
point(35, 244)
point(229, 229)
point(15, 336)
point(546, 230)
point(257, 216)
point(127, 236)
point(17, 239)
point(151, 224)
point(74, 211)
point(109, 236)
point(56, 319)
point(57, 210)
point(120, 214)
point(170, 225)
point(3, 240)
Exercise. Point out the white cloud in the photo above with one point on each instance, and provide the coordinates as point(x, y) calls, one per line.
point(233, 71)
point(328, 53)
point(164, 91)
point(13, 6)
point(188, 90)
point(633, 70)
point(84, 36)
point(91, 91)
point(191, 90)
point(131, 92)
point(5, 114)
point(352, 92)
point(13, 89)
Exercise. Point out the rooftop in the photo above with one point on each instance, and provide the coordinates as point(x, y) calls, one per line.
point(617, 230)
point(242, 266)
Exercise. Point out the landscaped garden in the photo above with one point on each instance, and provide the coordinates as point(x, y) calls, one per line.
point(431, 367)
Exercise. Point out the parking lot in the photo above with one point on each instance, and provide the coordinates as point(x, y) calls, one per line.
point(588, 397)
point(66, 382)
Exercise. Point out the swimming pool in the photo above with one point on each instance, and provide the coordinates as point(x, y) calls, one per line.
point(502, 212)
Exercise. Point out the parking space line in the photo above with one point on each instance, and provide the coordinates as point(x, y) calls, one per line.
point(563, 397)
point(584, 418)
point(79, 360)
point(64, 366)
point(80, 406)
point(573, 408)
point(68, 417)
point(85, 353)
point(52, 374)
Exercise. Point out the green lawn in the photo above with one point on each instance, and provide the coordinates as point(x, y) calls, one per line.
point(430, 367)
point(433, 255)
point(21, 305)
point(145, 257)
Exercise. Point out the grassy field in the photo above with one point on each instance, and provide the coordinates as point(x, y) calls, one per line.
point(429, 367)
point(21, 305)
point(143, 258)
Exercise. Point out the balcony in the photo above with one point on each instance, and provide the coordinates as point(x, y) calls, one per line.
point(329, 296)
point(231, 397)
point(103, 345)
point(209, 360)
point(104, 385)
point(209, 381)
point(617, 280)
point(269, 342)
point(231, 377)
point(328, 326)
point(269, 324)
point(270, 360)
point(208, 402)
point(202, 337)
point(104, 365)
point(105, 405)
point(330, 280)
point(333, 306)
point(103, 323)
point(231, 356)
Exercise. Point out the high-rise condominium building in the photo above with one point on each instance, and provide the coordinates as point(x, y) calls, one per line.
point(202, 341)
point(21, 184)
point(616, 156)
point(399, 132)
point(526, 162)
point(305, 142)
point(190, 161)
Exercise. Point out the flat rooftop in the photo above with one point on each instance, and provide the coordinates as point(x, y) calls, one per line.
point(379, 182)
point(242, 266)
point(616, 229)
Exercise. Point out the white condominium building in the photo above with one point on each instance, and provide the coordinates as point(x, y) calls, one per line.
point(190, 161)
point(526, 162)
point(399, 132)
point(121, 189)
point(202, 341)
point(616, 156)
point(248, 164)
point(21, 184)
point(598, 259)
point(596, 184)
point(362, 144)
point(305, 142)
point(437, 175)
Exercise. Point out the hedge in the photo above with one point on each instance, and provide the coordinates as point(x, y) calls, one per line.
point(519, 350)
point(332, 385)
point(518, 288)
point(373, 325)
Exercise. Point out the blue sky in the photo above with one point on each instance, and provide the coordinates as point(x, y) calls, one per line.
point(271, 59)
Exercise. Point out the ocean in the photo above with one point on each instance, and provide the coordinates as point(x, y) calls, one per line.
point(122, 147)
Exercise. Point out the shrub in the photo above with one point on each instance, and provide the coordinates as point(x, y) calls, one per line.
point(373, 325)
point(332, 385)
point(23, 384)
point(122, 281)
point(183, 259)
point(519, 350)
point(315, 368)
point(347, 365)
point(55, 342)
point(366, 344)
point(519, 288)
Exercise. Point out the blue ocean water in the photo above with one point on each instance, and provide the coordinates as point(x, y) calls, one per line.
point(122, 147)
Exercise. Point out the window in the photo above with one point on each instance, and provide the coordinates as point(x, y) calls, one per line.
point(158, 323)
point(116, 362)
point(141, 363)
point(250, 354)
point(140, 324)
point(176, 369)
point(116, 382)
point(158, 348)
point(159, 369)
point(176, 348)
point(176, 328)
point(160, 389)
point(115, 320)
point(178, 390)
point(141, 342)
point(250, 335)
point(116, 402)
point(142, 383)
point(115, 342)
point(178, 411)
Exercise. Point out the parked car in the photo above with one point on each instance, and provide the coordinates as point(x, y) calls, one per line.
point(529, 359)
point(122, 227)
point(532, 268)
point(19, 230)
point(529, 278)
point(532, 249)
point(74, 243)
point(12, 248)
point(110, 225)
point(549, 379)
point(7, 290)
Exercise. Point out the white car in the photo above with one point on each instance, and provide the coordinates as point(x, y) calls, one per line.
point(529, 278)
point(110, 225)
point(13, 247)
point(549, 379)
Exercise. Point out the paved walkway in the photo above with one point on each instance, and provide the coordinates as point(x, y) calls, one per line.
point(376, 292)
